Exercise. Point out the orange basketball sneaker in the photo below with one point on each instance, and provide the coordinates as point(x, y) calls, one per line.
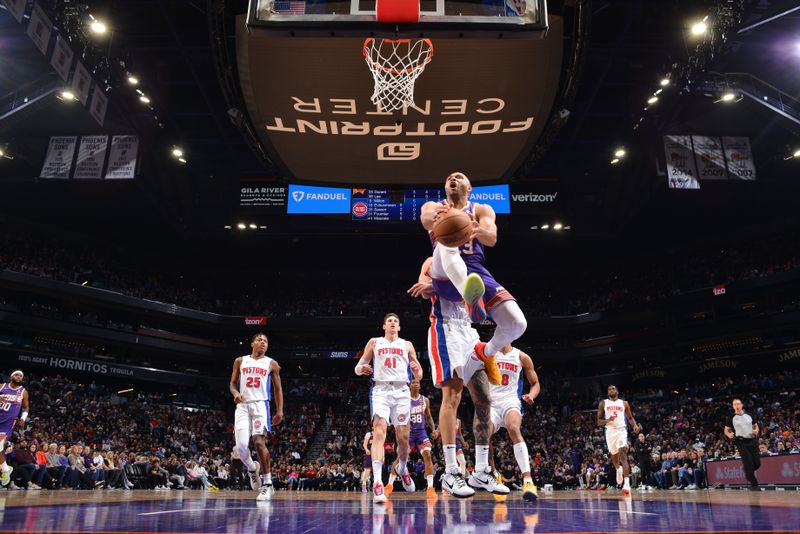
point(489, 362)
point(388, 489)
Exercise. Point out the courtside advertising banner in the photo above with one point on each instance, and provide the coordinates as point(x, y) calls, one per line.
point(681, 168)
point(58, 161)
point(122, 157)
point(782, 469)
point(91, 156)
point(739, 157)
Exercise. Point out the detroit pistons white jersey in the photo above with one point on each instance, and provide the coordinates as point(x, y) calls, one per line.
point(615, 413)
point(390, 360)
point(254, 383)
point(510, 386)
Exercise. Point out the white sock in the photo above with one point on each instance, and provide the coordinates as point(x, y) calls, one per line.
point(377, 472)
point(402, 467)
point(481, 457)
point(521, 455)
point(450, 260)
point(392, 478)
point(248, 462)
point(511, 324)
point(5, 467)
point(627, 481)
point(267, 478)
point(462, 465)
point(429, 480)
point(450, 462)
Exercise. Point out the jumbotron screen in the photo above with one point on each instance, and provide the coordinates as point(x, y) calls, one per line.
point(404, 205)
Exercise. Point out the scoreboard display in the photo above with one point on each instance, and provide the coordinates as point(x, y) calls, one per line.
point(392, 205)
point(405, 205)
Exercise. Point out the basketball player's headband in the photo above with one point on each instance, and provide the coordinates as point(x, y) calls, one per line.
point(17, 372)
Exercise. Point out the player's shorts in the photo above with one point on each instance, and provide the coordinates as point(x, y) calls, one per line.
point(459, 448)
point(253, 416)
point(391, 402)
point(494, 296)
point(616, 438)
point(501, 408)
point(367, 461)
point(419, 440)
point(450, 343)
point(6, 428)
point(495, 293)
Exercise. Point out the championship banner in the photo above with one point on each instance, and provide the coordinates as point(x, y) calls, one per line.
point(739, 157)
point(16, 8)
point(91, 156)
point(99, 105)
point(62, 58)
point(122, 161)
point(40, 28)
point(81, 82)
point(709, 158)
point(58, 161)
point(681, 169)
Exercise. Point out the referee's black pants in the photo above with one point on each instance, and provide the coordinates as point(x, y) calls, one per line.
point(751, 458)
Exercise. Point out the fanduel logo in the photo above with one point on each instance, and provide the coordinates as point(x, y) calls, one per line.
point(485, 197)
point(298, 195)
point(532, 197)
point(324, 196)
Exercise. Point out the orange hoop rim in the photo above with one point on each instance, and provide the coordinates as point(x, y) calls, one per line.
point(377, 65)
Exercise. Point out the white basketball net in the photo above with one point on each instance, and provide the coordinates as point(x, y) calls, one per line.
point(395, 66)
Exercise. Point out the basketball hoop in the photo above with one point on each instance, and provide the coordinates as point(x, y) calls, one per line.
point(395, 65)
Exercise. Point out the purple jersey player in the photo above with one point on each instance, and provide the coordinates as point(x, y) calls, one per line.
point(13, 411)
point(419, 441)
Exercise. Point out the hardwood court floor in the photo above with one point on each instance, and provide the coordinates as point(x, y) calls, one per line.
point(146, 511)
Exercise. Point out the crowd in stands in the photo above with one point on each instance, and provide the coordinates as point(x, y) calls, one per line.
point(83, 436)
point(612, 286)
point(87, 436)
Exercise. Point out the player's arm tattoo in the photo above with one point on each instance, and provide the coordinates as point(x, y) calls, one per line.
point(481, 397)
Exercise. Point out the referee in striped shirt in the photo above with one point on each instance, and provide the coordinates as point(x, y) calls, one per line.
point(743, 430)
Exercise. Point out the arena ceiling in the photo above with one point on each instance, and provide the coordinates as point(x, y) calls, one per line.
point(631, 44)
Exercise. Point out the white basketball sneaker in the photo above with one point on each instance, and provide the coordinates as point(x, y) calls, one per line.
point(486, 481)
point(455, 485)
point(255, 477)
point(266, 493)
point(408, 482)
point(378, 495)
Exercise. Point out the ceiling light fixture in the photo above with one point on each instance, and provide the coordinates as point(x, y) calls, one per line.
point(664, 82)
point(699, 28)
point(67, 95)
point(144, 99)
point(558, 226)
point(133, 80)
point(177, 152)
point(545, 226)
point(652, 100)
point(241, 226)
point(615, 161)
point(98, 27)
point(620, 153)
point(253, 226)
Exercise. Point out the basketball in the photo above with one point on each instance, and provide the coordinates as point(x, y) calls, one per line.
point(453, 228)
